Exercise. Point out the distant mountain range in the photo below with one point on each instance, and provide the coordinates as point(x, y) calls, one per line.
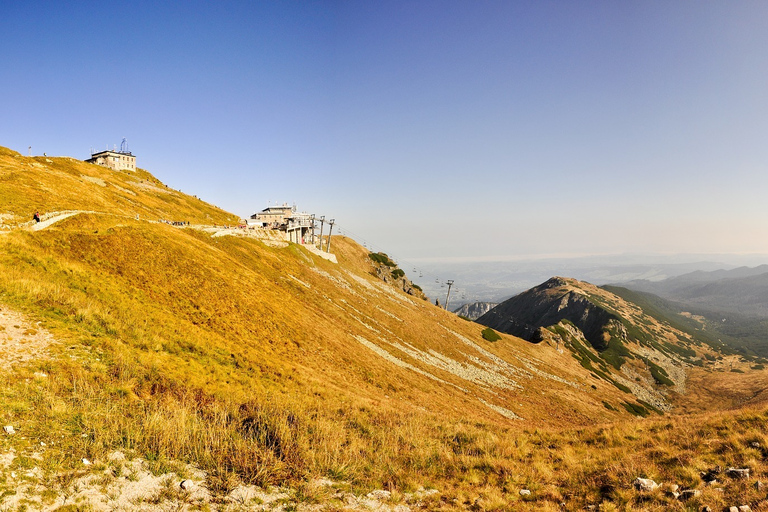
point(743, 290)
point(496, 281)
point(723, 306)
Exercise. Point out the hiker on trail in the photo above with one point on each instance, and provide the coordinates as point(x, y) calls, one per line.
point(36, 216)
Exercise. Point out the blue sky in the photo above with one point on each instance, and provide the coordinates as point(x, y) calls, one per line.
point(468, 130)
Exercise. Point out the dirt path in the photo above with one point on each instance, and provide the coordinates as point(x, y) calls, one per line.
point(53, 220)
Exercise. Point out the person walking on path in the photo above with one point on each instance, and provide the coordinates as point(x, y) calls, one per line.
point(36, 216)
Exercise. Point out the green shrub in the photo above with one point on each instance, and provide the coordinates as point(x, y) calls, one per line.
point(380, 257)
point(398, 273)
point(490, 335)
point(616, 353)
point(636, 409)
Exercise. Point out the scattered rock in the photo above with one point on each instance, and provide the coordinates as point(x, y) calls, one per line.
point(673, 487)
point(712, 483)
point(690, 493)
point(744, 508)
point(9, 430)
point(525, 492)
point(187, 485)
point(116, 456)
point(379, 494)
point(706, 508)
point(86, 462)
point(711, 474)
point(759, 485)
point(645, 484)
point(755, 445)
point(737, 472)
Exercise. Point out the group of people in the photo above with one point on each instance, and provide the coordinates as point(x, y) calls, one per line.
point(175, 222)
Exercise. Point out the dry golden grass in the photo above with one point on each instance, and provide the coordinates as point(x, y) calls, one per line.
point(243, 359)
point(51, 184)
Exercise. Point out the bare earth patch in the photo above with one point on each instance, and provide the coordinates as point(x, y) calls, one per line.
point(20, 340)
point(98, 181)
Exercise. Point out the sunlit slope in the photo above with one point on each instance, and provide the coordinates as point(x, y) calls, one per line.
point(54, 184)
point(230, 315)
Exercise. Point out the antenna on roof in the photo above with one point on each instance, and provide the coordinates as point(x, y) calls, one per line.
point(124, 146)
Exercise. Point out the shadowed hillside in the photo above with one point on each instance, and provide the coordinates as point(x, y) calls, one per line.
point(743, 290)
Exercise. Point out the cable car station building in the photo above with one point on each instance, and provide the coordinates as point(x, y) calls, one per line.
point(298, 226)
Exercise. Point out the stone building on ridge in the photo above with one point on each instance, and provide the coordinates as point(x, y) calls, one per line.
point(122, 160)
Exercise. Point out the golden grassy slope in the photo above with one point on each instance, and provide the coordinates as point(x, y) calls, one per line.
point(247, 360)
point(51, 184)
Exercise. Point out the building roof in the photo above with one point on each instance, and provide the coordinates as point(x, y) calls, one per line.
point(282, 208)
point(111, 152)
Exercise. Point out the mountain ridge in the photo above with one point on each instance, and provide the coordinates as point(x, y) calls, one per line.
point(610, 337)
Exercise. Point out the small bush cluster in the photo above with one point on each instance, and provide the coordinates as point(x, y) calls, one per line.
point(490, 335)
point(380, 257)
point(398, 273)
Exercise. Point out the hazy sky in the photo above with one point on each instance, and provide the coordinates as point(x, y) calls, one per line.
point(428, 129)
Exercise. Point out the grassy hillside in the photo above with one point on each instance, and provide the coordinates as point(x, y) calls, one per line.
point(51, 184)
point(262, 363)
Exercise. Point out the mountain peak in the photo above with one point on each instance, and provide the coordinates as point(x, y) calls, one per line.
point(604, 333)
